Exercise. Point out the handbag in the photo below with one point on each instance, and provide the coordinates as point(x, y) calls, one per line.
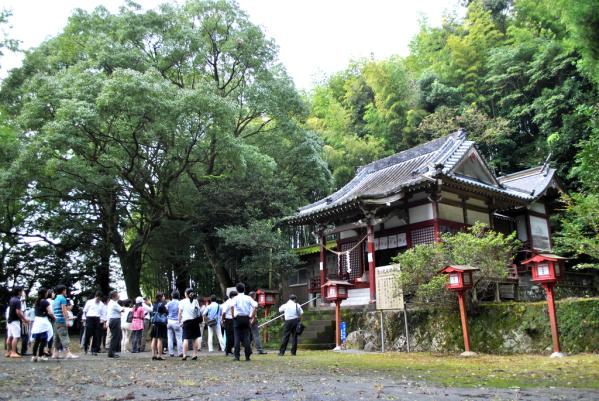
point(212, 321)
point(159, 318)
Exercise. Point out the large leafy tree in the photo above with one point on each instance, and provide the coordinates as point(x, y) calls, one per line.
point(148, 117)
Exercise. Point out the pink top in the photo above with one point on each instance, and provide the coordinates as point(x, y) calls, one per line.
point(138, 319)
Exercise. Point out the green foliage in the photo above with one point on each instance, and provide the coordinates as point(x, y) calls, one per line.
point(490, 251)
point(148, 127)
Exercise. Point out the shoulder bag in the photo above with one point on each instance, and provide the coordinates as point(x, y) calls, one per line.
point(299, 329)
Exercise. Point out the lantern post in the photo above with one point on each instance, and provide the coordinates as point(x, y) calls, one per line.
point(266, 298)
point(459, 281)
point(546, 270)
point(336, 291)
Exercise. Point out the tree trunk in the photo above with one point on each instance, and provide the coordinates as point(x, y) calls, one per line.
point(131, 265)
point(103, 268)
point(181, 277)
point(222, 275)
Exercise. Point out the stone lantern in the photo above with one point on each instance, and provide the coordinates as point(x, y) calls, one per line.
point(336, 291)
point(460, 280)
point(546, 270)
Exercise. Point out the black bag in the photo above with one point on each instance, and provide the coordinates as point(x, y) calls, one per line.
point(130, 316)
point(159, 319)
point(211, 322)
point(299, 329)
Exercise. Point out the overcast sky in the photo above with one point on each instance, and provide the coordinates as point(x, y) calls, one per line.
point(315, 37)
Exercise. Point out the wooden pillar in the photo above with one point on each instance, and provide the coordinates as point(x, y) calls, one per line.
point(371, 261)
point(464, 321)
point(323, 265)
point(552, 317)
point(338, 323)
point(435, 206)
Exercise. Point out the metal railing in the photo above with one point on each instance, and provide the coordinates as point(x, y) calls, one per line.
point(282, 314)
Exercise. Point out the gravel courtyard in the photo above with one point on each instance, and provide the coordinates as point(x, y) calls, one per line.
point(311, 375)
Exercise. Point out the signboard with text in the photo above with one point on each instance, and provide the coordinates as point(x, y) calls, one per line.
point(388, 294)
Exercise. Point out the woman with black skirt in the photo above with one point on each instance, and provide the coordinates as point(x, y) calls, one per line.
point(159, 320)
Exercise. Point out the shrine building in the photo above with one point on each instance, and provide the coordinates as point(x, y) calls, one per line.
point(410, 198)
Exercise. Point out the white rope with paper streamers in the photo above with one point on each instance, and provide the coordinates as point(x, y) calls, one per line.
point(346, 253)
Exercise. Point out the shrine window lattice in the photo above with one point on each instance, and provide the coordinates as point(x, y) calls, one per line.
point(425, 235)
point(354, 258)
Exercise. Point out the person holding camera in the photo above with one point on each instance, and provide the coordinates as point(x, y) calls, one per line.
point(293, 312)
point(190, 318)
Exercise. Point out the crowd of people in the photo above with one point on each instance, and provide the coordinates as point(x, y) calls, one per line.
point(175, 326)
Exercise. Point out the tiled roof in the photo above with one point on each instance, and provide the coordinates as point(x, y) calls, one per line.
point(419, 165)
point(387, 176)
point(532, 183)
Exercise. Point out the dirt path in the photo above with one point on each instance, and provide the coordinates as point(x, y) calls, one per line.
point(216, 377)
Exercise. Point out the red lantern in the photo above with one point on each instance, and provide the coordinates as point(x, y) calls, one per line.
point(266, 298)
point(460, 280)
point(336, 291)
point(546, 270)
point(459, 277)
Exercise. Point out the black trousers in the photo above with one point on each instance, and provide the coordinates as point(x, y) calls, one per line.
point(230, 332)
point(243, 331)
point(289, 330)
point(24, 337)
point(93, 331)
point(115, 331)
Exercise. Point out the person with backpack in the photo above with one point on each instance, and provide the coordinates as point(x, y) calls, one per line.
point(212, 317)
point(227, 317)
point(173, 327)
point(293, 313)
point(159, 320)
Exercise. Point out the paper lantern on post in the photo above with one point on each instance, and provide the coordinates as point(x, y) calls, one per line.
point(460, 280)
point(266, 299)
point(336, 291)
point(547, 269)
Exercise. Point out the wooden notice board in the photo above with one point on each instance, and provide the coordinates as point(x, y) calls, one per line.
point(388, 294)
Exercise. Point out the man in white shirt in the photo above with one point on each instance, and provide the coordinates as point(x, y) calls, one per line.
point(243, 309)
point(113, 312)
point(227, 317)
point(293, 312)
point(92, 311)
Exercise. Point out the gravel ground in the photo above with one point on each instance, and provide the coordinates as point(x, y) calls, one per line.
point(216, 377)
